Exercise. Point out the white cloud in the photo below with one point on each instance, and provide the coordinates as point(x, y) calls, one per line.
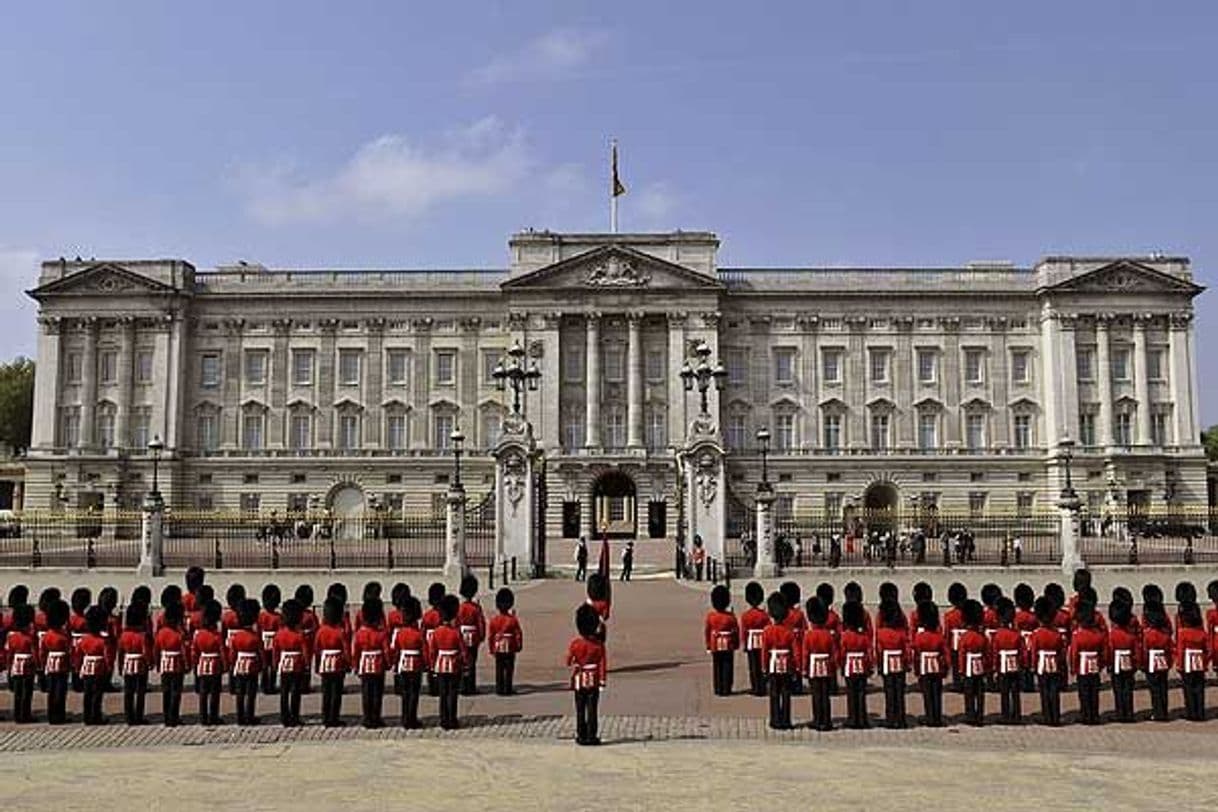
point(392, 176)
point(553, 55)
point(18, 273)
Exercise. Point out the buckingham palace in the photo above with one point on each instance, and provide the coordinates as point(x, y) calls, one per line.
point(283, 389)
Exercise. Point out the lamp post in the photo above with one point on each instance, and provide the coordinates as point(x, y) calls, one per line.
point(155, 447)
point(763, 438)
point(515, 373)
point(457, 439)
point(1066, 447)
point(702, 373)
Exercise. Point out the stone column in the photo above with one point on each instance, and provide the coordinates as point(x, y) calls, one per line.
point(1103, 427)
point(1141, 384)
point(454, 533)
point(678, 411)
point(47, 394)
point(952, 376)
point(88, 386)
point(634, 382)
point(126, 359)
point(592, 383)
point(1179, 379)
point(152, 538)
point(766, 565)
point(1068, 513)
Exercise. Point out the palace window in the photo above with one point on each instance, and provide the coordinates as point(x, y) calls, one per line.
point(737, 366)
point(143, 366)
point(1120, 364)
point(302, 367)
point(654, 365)
point(736, 433)
point(1154, 365)
point(141, 424)
point(879, 365)
point(255, 367)
point(396, 436)
point(252, 423)
point(833, 506)
point(1023, 431)
point(1021, 366)
point(656, 429)
point(615, 427)
point(397, 367)
point(108, 367)
point(784, 432)
point(976, 504)
point(615, 363)
point(72, 367)
point(105, 425)
point(69, 427)
point(928, 430)
point(832, 431)
point(573, 433)
point(348, 431)
point(880, 431)
point(572, 366)
point(1158, 428)
point(974, 366)
point(1086, 426)
point(1024, 501)
point(1084, 358)
point(784, 365)
point(831, 366)
point(492, 428)
point(927, 359)
point(349, 362)
point(974, 431)
point(300, 431)
point(207, 434)
point(1122, 427)
point(443, 429)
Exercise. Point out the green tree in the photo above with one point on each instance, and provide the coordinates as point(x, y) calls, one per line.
point(16, 403)
point(1209, 439)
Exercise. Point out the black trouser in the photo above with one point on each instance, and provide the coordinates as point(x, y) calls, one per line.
point(446, 685)
point(698, 571)
point(586, 726)
point(797, 684)
point(1029, 681)
point(135, 689)
point(822, 714)
point(412, 684)
point(372, 691)
point(1193, 688)
point(23, 697)
point(95, 690)
point(505, 669)
point(856, 702)
point(171, 698)
point(209, 688)
point(1089, 698)
point(246, 686)
point(780, 701)
point(1050, 698)
point(433, 687)
point(268, 678)
point(469, 675)
point(57, 698)
point(932, 698)
point(756, 675)
point(894, 699)
point(974, 700)
point(626, 570)
point(581, 570)
point(1009, 687)
point(289, 698)
point(331, 699)
point(1122, 695)
point(723, 671)
point(1157, 683)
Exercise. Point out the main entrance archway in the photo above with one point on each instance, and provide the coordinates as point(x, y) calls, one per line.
point(347, 505)
point(880, 503)
point(614, 505)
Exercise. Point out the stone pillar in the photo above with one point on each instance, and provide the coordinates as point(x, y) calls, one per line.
point(1103, 379)
point(766, 565)
point(1068, 513)
point(88, 386)
point(45, 432)
point(152, 538)
point(515, 495)
point(1141, 384)
point(705, 487)
point(634, 382)
point(592, 383)
point(454, 534)
point(126, 370)
point(1179, 375)
point(678, 407)
point(952, 373)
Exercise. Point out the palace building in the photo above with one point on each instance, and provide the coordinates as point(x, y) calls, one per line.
point(284, 389)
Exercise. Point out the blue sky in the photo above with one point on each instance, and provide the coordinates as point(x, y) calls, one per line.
point(412, 134)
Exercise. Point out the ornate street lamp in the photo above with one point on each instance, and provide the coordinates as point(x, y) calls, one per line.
point(1066, 449)
point(457, 439)
point(155, 447)
point(763, 437)
point(516, 374)
point(702, 373)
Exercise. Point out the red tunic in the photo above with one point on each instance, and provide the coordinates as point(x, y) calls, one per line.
point(1047, 651)
point(446, 651)
point(55, 652)
point(1192, 650)
point(189, 603)
point(229, 624)
point(370, 651)
point(1157, 645)
point(430, 622)
point(134, 653)
point(854, 653)
point(780, 652)
point(1211, 623)
point(409, 650)
point(1124, 649)
point(290, 651)
point(21, 648)
point(975, 649)
point(797, 622)
point(953, 628)
point(207, 653)
point(245, 652)
point(588, 662)
point(891, 650)
point(1087, 650)
point(930, 654)
point(93, 653)
point(170, 652)
point(819, 651)
point(504, 635)
point(752, 624)
point(268, 623)
point(331, 648)
point(471, 622)
point(721, 632)
point(1008, 651)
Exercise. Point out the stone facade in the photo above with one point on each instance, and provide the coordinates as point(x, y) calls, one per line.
point(280, 389)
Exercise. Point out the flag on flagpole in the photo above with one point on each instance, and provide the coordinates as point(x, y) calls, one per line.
point(602, 567)
point(618, 188)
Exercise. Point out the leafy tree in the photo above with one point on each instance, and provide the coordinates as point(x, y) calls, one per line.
point(1209, 439)
point(16, 403)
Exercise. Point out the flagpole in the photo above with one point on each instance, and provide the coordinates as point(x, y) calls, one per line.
point(612, 187)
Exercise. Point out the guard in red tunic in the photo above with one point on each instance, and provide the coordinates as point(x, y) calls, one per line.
point(330, 655)
point(107, 599)
point(370, 657)
point(1211, 622)
point(780, 652)
point(833, 622)
point(269, 621)
point(1047, 654)
point(1010, 658)
point(892, 659)
point(82, 599)
point(587, 660)
point(171, 654)
point(820, 662)
point(448, 656)
point(722, 636)
point(172, 593)
point(55, 657)
point(922, 591)
point(245, 658)
point(21, 649)
point(973, 660)
point(598, 598)
point(1124, 654)
point(471, 622)
point(1088, 653)
point(752, 625)
point(856, 657)
point(1158, 646)
point(797, 622)
point(393, 622)
point(409, 651)
point(308, 627)
point(194, 618)
point(953, 626)
point(134, 662)
point(1064, 623)
point(290, 655)
point(93, 662)
point(207, 654)
point(230, 623)
point(1026, 623)
point(430, 622)
point(1192, 660)
point(191, 600)
point(505, 639)
point(930, 655)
